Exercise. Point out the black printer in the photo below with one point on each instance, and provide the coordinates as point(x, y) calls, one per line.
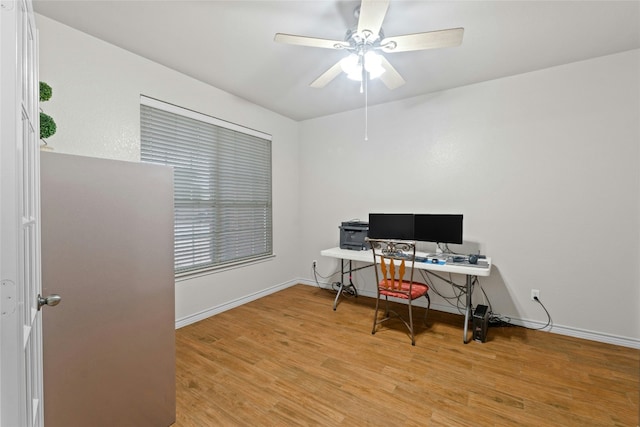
point(352, 235)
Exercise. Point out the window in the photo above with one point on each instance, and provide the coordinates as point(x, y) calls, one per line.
point(222, 185)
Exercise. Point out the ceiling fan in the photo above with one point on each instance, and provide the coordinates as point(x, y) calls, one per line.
point(365, 41)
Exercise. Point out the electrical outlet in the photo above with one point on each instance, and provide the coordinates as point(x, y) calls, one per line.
point(535, 293)
point(314, 263)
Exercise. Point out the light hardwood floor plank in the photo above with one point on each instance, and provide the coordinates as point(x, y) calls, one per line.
point(289, 359)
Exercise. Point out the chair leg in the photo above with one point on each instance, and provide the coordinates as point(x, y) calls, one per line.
point(413, 340)
point(375, 316)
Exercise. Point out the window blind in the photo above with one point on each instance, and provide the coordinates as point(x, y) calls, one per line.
point(222, 185)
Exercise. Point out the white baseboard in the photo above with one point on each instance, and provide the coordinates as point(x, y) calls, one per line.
point(196, 317)
point(532, 324)
point(580, 333)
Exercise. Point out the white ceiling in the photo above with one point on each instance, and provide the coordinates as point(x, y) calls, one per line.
point(229, 44)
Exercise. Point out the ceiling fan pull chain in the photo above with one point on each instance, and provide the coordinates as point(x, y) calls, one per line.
point(365, 78)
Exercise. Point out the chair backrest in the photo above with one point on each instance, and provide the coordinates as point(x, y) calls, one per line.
point(394, 258)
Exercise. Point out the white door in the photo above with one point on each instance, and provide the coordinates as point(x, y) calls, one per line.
point(20, 320)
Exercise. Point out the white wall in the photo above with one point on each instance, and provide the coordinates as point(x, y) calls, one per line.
point(544, 166)
point(96, 105)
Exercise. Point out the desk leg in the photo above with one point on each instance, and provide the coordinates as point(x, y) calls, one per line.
point(342, 285)
point(351, 285)
point(467, 312)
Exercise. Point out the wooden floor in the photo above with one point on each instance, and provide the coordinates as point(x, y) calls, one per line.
point(289, 359)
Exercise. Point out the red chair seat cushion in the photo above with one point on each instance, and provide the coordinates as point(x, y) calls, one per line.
point(417, 290)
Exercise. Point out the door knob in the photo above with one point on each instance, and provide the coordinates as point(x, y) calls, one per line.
point(50, 300)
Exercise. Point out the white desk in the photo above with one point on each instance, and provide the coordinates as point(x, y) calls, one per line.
point(367, 257)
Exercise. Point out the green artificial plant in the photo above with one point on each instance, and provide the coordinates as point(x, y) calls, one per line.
point(47, 124)
point(45, 92)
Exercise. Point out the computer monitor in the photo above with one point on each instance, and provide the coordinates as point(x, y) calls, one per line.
point(439, 228)
point(391, 226)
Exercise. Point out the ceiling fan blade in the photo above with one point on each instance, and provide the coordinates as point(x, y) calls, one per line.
point(327, 76)
point(372, 13)
point(430, 40)
point(310, 41)
point(391, 78)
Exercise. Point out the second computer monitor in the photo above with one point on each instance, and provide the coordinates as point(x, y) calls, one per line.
point(439, 228)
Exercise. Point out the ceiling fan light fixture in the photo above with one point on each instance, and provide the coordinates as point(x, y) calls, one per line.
point(373, 64)
point(352, 65)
